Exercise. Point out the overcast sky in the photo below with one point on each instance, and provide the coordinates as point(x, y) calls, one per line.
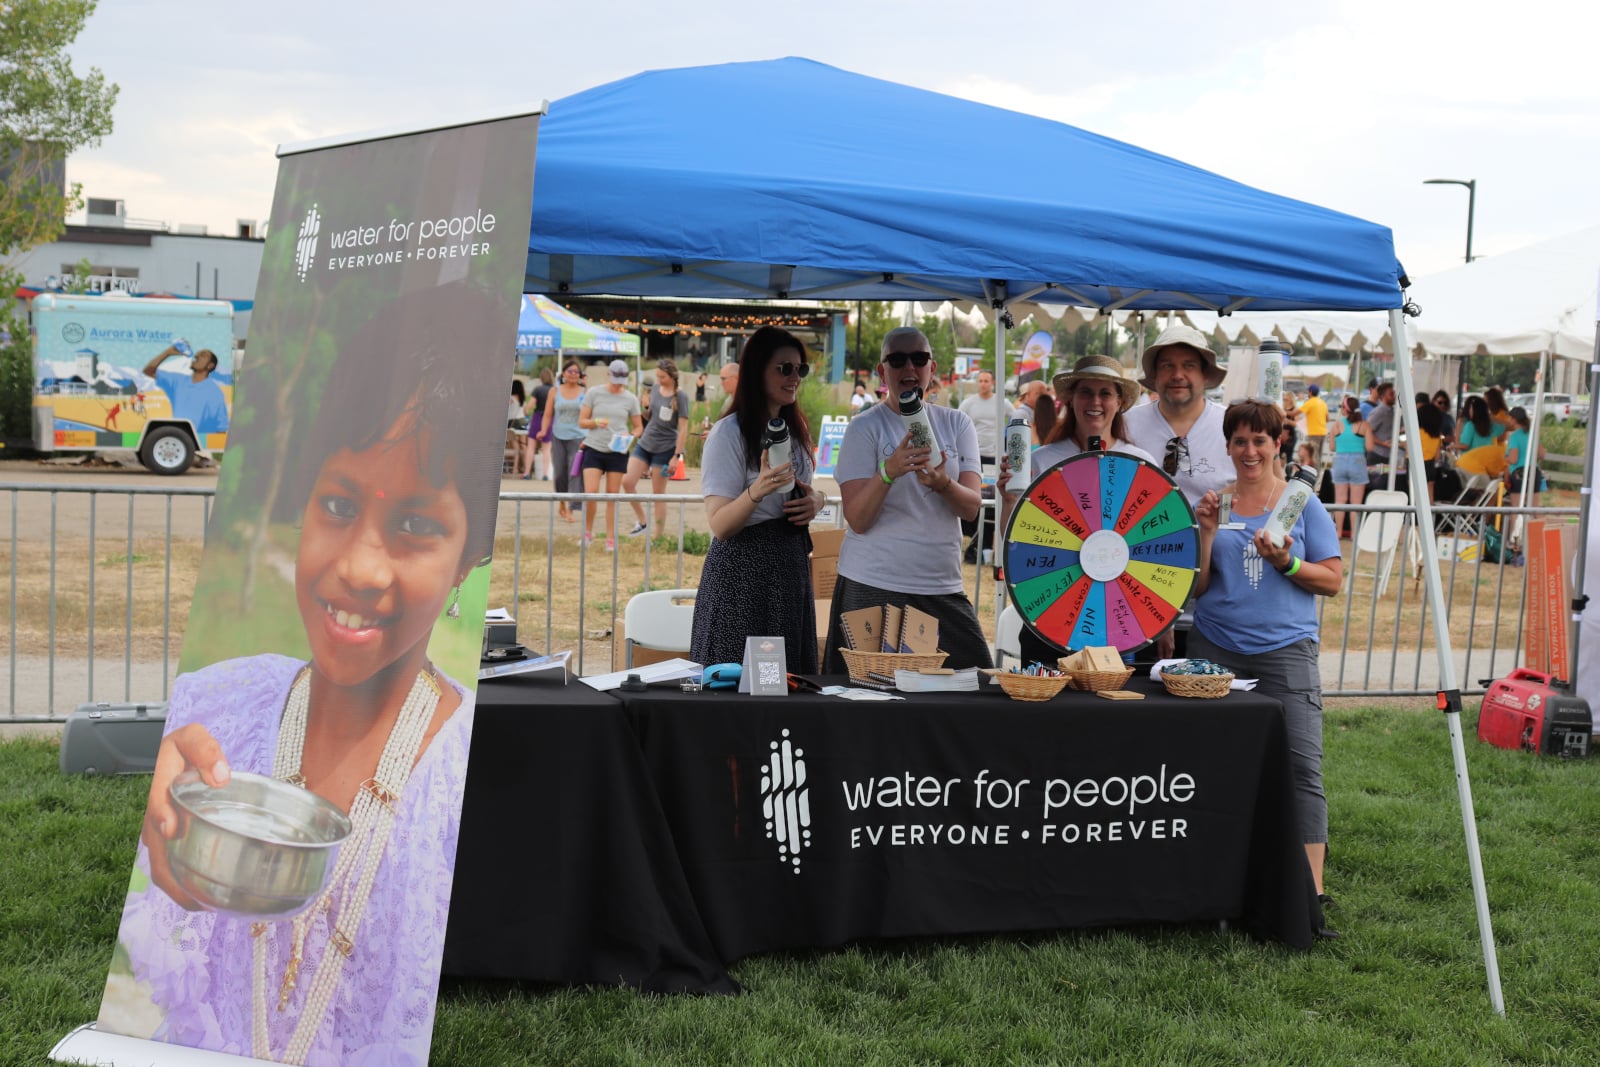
point(1349, 105)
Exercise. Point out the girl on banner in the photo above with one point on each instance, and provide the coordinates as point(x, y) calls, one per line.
point(395, 488)
point(757, 578)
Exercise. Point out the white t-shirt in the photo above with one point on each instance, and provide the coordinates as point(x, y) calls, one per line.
point(1046, 456)
point(915, 546)
point(1208, 467)
point(985, 416)
point(723, 471)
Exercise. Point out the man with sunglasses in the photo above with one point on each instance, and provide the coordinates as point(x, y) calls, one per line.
point(1182, 429)
point(904, 506)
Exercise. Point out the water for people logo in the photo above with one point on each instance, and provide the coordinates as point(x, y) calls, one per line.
point(786, 801)
point(305, 248)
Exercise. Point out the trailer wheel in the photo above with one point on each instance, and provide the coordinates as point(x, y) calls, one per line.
point(167, 450)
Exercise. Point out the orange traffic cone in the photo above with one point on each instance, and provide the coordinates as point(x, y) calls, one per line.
point(680, 472)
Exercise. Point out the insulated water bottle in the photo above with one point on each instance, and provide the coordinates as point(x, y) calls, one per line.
point(1019, 454)
point(1293, 501)
point(776, 441)
point(917, 424)
point(1269, 371)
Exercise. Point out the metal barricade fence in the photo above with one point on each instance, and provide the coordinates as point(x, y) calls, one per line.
point(96, 605)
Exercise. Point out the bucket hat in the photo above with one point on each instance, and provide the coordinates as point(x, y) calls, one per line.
point(1179, 334)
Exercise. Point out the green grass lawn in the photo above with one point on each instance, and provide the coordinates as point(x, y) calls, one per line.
point(1404, 985)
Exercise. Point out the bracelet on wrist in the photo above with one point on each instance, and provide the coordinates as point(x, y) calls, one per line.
point(1292, 569)
point(753, 498)
point(883, 472)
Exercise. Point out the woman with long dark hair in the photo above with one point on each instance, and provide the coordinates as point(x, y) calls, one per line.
point(561, 410)
point(1478, 427)
point(757, 577)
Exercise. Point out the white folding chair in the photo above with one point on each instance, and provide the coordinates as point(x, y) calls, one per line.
point(656, 626)
point(1381, 533)
point(1008, 636)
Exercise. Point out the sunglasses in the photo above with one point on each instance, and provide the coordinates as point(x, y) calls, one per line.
point(1177, 455)
point(897, 360)
point(798, 370)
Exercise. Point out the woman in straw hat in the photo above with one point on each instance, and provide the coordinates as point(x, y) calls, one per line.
point(1096, 393)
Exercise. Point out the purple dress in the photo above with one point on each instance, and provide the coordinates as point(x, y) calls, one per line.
point(198, 965)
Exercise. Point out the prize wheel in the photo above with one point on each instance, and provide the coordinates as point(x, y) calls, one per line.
point(1102, 549)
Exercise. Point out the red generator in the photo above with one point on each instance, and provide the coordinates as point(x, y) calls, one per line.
point(1531, 710)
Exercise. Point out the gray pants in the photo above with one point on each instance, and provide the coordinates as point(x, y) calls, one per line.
point(1290, 676)
point(561, 453)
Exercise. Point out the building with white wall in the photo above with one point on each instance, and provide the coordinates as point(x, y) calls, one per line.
point(139, 256)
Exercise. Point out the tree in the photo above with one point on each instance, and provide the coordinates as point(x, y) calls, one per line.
point(47, 112)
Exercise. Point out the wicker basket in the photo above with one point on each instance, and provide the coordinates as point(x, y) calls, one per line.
point(1204, 686)
point(1029, 686)
point(860, 664)
point(1096, 681)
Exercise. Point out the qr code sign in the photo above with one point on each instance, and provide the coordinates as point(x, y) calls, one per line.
point(769, 673)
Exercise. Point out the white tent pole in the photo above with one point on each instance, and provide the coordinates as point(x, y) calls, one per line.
point(1585, 503)
point(1449, 691)
point(1530, 465)
point(1000, 317)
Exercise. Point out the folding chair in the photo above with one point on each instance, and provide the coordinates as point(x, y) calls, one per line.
point(1473, 493)
point(1381, 533)
point(656, 626)
point(1008, 636)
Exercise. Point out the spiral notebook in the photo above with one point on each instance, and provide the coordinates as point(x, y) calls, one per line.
point(862, 628)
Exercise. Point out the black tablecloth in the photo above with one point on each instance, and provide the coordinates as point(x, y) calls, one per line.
point(566, 870)
point(637, 839)
point(928, 815)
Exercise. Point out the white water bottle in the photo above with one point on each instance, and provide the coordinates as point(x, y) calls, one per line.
point(1269, 371)
point(1290, 504)
point(1019, 454)
point(917, 423)
point(776, 439)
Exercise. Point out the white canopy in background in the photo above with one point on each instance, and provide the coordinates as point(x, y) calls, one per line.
point(1540, 298)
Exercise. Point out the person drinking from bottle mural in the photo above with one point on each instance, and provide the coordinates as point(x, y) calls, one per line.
point(194, 395)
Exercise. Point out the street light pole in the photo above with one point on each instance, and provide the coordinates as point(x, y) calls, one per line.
point(1472, 199)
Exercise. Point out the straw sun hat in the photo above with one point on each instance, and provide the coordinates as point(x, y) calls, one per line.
point(1098, 369)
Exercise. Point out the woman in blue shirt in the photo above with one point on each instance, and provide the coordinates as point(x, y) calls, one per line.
point(1517, 457)
point(1256, 602)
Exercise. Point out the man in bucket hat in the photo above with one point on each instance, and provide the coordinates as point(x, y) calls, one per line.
point(1182, 429)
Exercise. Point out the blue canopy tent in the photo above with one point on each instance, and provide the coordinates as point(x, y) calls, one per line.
point(844, 186)
point(828, 184)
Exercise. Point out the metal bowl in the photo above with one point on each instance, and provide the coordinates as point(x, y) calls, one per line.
point(254, 848)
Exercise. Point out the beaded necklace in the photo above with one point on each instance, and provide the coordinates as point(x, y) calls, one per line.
point(344, 900)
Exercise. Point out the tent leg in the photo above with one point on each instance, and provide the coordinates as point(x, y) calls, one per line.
point(1000, 317)
point(1449, 690)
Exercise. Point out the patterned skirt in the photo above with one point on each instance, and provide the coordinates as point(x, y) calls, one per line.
point(757, 584)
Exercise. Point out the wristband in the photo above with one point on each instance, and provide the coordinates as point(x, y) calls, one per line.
point(883, 472)
point(1292, 569)
point(753, 498)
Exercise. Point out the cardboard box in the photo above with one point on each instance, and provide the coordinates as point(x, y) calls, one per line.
point(825, 545)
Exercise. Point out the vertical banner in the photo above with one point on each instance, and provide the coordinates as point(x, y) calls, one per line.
point(289, 896)
point(1554, 598)
point(1536, 622)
